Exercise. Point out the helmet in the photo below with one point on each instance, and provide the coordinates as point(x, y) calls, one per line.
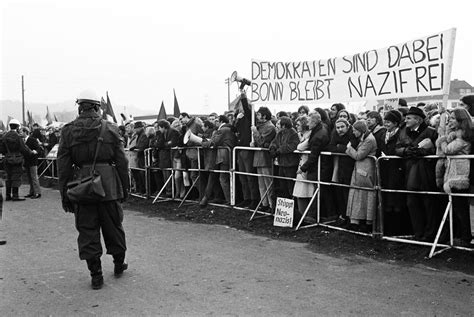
point(88, 96)
point(14, 122)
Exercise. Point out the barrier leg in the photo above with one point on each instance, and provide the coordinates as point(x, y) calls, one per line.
point(260, 202)
point(45, 169)
point(435, 242)
point(190, 188)
point(307, 209)
point(162, 188)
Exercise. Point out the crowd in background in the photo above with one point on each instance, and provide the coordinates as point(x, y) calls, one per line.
point(355, 140)
point(407, 132)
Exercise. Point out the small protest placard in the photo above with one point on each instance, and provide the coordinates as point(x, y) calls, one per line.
point(284, 212)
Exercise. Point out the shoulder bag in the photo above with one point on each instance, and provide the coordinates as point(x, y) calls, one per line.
point(89, 189)
point(13, 158)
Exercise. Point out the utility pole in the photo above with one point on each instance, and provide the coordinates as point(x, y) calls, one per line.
point(227, 81)
point(23, 99)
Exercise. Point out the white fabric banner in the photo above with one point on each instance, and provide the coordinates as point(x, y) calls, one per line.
point(420, 67)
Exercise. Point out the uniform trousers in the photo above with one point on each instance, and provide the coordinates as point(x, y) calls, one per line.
point(90, 220)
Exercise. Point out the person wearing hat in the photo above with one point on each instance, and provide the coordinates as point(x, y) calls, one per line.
point(12, 144)
point(392, 176)
point(416, 140)
point(76, 153)
point(361, 204)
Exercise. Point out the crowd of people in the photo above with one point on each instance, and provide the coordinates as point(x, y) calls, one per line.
point(355, 140)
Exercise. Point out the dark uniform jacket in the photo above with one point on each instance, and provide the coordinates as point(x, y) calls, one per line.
point(77, 148)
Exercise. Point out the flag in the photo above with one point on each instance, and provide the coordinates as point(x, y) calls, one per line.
point(162, 113)
point(176, 111)
point(108, 111)
point(2, 126)
point(49, 119)
point(31, 121)
point(55, 118)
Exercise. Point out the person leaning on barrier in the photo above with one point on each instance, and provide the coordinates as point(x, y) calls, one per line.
point(282, 147)
point(77, 150)
point(361, 204)
point(13, 143)
point(392, 175)
point(263, 134)
point(318, 142)
point(343, 166)
point(139, 144)
point(456, 175)
point(416, 140)
point(375, 125)
point(168, 138)
point(249, 184)
point(303, 191)
point(224, 136)
point(177, 161)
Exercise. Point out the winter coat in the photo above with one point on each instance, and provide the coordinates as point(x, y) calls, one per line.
point(456, 173)
point(77, 148)
point(162, 144)
point(343, 164)
point(283, 146)
point(141, 144)
point(318, 142)
point(361, 204)
point(419, 172)
point(379, 134)
point(265, 134)
point(33, 144)
point(224, 137)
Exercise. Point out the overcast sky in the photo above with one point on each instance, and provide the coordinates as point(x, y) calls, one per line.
point(139, 51)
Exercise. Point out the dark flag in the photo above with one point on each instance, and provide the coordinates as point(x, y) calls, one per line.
point(176, 111)
point(48, 116)
point(2, 126)
point(162, 113)
point(108, 111)
point(55, 118)
point(30, 119)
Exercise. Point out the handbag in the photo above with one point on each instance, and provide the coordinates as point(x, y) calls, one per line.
point(89, 189)
point(13, 158)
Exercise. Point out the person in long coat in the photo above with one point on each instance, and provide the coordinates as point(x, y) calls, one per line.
point(263, 135)
point(343, 165)
point(362, 204)
point(416, 140)
point(12, 142)
point(283, 147)
point(392, 175)
point(318, 142)
point(31, 164)
point(168, 139)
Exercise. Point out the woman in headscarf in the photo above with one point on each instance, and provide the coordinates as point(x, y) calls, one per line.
point(361, 203)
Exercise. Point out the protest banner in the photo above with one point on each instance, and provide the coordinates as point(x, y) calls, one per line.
point(420, 67)
point(284, 212)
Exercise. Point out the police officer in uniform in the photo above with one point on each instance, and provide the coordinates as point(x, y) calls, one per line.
point(12, 142)
point(75, 157)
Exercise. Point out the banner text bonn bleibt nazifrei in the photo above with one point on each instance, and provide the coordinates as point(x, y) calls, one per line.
point(420, 67)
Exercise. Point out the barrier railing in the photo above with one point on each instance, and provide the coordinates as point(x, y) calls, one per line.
point(378, 221)
point(46, 165)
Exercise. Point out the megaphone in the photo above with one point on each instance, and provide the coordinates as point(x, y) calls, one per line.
point(242, 81)
point(191, 137)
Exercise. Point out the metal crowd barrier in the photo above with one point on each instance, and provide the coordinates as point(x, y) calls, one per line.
point(47, 168)
point(378, 222)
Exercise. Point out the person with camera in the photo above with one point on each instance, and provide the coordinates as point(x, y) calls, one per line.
point(14, 149)
point(90, 146)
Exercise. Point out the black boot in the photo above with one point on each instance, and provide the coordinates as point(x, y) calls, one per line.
point(95, 268)
point(8, 193)
point(119, 264)
point(15, 195)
